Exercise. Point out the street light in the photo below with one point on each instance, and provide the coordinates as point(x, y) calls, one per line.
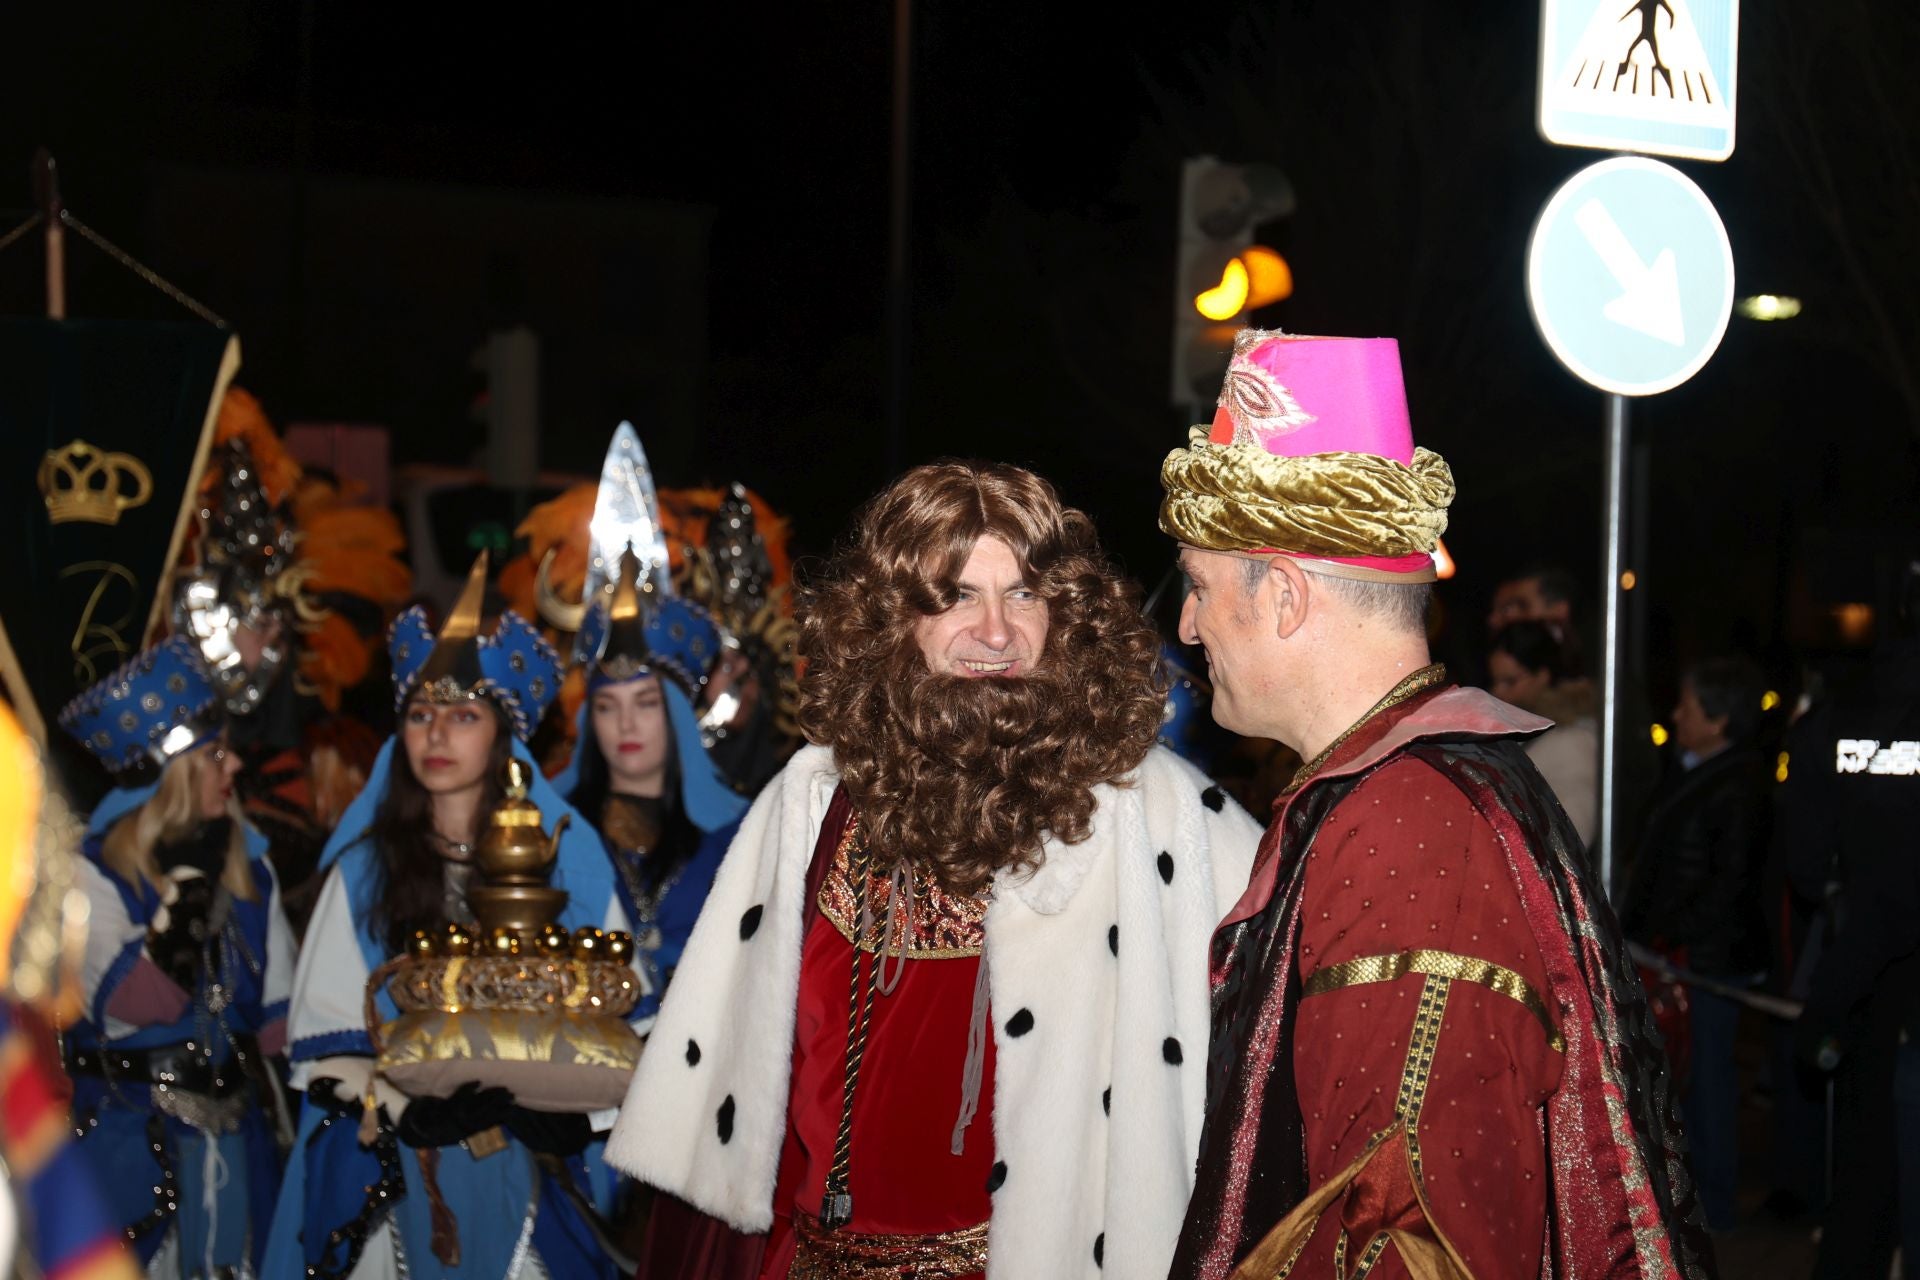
point(1768, 306)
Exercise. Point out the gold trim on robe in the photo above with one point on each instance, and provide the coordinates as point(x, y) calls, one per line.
point(852, 1255)
point(1443, 964)
point(937, 925)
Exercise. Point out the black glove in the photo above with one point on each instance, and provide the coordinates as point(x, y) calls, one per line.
point(441, 1122)
point(324, 1093)
point(176, 948)
point(555, 1133)
point(204, 849)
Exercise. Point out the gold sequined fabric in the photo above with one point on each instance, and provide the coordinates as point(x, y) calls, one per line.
point(938, 926)
point(851, 1255)
point(1239, 497)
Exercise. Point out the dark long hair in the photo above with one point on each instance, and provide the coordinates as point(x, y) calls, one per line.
point(679, 838)
point(412, 887)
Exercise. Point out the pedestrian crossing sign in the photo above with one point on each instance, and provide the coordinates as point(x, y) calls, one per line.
point(1654, 76)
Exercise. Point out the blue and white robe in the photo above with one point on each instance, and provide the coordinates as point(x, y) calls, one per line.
point(513, 1218)
point(662, 925)
point(224, 1183)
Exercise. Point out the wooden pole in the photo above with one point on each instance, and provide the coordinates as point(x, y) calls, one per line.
point(46, 193)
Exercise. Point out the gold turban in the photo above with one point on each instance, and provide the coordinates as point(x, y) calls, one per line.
point(1239, 497)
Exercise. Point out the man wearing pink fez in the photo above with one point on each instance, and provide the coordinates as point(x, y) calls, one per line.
point(1431, 1056)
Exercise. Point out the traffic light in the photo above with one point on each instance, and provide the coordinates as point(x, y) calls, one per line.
point(509, 405)
point(1219, 273)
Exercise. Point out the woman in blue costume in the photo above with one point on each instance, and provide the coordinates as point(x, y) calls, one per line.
point(639, 769)
point(664, 811)
point(187, 968)
point(472, 1187)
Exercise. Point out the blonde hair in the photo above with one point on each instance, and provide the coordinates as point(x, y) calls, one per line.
point(170, 813)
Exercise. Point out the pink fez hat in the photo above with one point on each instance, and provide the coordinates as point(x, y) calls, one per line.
point(1294, 395)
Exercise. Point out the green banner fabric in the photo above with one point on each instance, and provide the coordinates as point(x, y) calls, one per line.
point(104, 430)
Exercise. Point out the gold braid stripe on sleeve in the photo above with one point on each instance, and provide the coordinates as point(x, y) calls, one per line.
point(1439, 964)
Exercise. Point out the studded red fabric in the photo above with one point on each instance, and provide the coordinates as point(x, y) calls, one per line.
point(1619, 1199)
point(1402, 865)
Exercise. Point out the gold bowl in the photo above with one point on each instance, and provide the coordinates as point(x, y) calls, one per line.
point(520, 908)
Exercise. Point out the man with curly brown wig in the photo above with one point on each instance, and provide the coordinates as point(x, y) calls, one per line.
point(1431, 1055)
point(945, 1011)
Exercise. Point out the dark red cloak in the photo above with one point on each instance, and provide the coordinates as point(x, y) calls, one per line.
point(1599, 1119)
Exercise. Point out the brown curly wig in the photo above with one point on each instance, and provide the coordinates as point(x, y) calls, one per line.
point(967, 776)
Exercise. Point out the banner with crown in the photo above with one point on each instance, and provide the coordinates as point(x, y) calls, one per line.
point(104, 430)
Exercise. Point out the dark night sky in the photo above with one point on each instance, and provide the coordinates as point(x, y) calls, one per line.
point(1047, 140)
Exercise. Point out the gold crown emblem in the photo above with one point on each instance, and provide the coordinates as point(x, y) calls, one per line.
point(83, 482)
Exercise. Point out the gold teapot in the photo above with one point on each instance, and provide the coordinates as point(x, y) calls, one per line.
point(513, 862)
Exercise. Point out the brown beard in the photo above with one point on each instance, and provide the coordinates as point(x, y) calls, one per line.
point(965, 777)
point(982, 772)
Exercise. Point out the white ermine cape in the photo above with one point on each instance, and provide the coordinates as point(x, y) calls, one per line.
point(1097, 1100)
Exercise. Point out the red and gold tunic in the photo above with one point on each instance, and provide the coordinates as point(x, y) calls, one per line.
point(918, 1208)
point(1430, 1053)
point(1421, 1004)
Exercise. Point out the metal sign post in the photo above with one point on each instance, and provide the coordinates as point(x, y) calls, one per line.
point(1616, 518)
point(1630, 279)
point(1629, 271)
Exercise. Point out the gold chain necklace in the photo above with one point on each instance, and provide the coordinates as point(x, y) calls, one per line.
point(1419, 681)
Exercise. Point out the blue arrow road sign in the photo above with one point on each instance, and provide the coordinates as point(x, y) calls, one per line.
point(1630, 276)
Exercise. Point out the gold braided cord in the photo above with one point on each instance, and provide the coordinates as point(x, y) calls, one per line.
point(1239, 497)
point(1438, 964)
point(836, 1203)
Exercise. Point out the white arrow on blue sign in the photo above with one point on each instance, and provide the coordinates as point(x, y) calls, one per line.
point(1630, 276)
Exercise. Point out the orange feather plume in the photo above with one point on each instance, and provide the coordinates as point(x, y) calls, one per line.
point(242, 417)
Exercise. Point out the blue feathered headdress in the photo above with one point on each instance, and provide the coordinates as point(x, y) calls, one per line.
point(629, 622)
point(158, 706)
point(515, 665)
point(626, 634)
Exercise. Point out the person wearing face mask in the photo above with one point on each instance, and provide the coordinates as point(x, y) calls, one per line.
point(186, 977)
point(639, 768)
point(471, 1185)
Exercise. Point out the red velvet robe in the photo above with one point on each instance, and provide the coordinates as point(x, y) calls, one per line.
point(903, 1175)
